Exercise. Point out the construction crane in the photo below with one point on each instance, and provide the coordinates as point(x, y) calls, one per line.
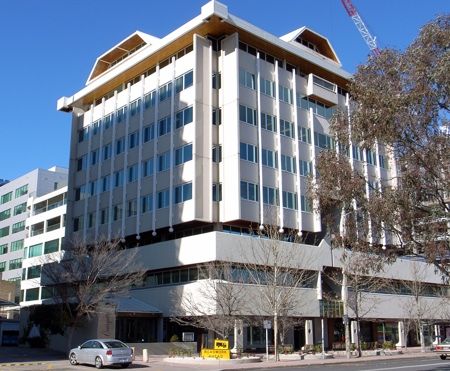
point(353, 13)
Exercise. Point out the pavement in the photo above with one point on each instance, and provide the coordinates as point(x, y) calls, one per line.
point(23, 356)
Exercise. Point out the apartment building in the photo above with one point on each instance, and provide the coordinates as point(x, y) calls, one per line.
point(14, 212)
point(179, 144)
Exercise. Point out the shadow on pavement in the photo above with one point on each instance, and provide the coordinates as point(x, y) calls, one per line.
point(17, 354)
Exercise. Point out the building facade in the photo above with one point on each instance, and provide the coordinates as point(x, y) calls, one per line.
point(180, 144)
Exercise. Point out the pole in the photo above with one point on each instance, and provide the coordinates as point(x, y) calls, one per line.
point(267, 344)
point(323, 341)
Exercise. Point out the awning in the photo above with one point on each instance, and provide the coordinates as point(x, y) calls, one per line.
point(4, 302)
point(134, 307)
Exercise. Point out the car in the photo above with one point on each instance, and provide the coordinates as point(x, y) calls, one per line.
point(102, 352)
point(443, 349)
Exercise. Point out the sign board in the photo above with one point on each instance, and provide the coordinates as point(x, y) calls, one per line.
point(267, 324)
point(188, 336)
point(216, 353)
point(220, 344)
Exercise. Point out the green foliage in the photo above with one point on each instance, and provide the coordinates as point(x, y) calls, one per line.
point(388, 344)
point(174, 338)
point(318, 348)
point(363, 345)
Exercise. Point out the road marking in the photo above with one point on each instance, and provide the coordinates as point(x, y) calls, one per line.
point(402, 367)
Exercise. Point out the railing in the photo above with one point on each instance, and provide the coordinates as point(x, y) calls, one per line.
point(50, 207)
point(53, 227)
point(37, 232)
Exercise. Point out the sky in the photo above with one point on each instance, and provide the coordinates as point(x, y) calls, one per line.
point(48, 48)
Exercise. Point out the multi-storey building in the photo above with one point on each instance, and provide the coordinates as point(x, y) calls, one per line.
point(14, 212)
point(179, 144)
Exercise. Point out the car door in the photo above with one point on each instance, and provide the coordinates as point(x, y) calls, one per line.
point(94, 350)
point(83, 352)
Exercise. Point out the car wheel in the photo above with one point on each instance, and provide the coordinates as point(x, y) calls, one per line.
point(98, 362)
point(124, 365)
point(443, 356)
point(73, 359)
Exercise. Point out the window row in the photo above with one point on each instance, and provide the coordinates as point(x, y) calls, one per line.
point(23, 190)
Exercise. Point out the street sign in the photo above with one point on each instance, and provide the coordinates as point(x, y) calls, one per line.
point(267, 324)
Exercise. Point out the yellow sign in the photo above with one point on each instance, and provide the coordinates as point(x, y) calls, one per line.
point(216, 353)
point(220, 344)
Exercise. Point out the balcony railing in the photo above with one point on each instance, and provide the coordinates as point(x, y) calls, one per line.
point(50, 207)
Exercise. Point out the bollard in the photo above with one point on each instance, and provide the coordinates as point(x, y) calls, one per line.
point(145, 355)
point(133, 350)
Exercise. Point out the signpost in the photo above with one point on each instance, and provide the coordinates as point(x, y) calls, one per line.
point(267, 326)
point(220, 350)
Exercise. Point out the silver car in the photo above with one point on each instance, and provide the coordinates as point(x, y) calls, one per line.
point(443, 349)
point(102, 352)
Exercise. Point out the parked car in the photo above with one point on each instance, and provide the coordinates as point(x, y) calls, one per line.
point(102, 352)
point(443, 349)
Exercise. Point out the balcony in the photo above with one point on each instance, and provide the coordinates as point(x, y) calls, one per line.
point(50, 204)
point(332, 309)
point(322, 90)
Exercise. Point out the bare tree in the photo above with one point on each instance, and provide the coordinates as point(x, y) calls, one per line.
point(275, 264)
point(215, 303)
point(85, 275)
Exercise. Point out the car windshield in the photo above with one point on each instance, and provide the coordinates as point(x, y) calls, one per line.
point(446, 341)
point(115, 344)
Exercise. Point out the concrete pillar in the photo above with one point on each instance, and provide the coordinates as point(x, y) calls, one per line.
point(401, 335)
point(160, 330)
point(309, 338)
point(354, 332)
point(437, 334)
point(238, 336)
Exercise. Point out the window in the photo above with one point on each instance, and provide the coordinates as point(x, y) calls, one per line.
point(371, 157)
point(80, 193)
point(150, 99)
point(81, 163)
point(287, 128)
point(285, 94)
point(381, 161)
point(51, 246)
point(357, 153)
point(247, 115)
point(120, 146)
point(135, 107)
point(118, 178)
point(217, 192)
point(305, 168)
point(83, 134)
point(147, 168)
point(106, 152)
point(105, 184)
point(163, 199)
point(217, 154)
point(32, 294)
point(133, 140)
point(216, 80)
point(268, 122)
point(267, 87)
point(132, 173)
point(165, 92)
point(94, 157)
point(78, 224)
point(18, 227)
point(35, 250)
point(325, 84)
point(183, 154)
point(6, 198)
point(290, 200)
point(305, 204)
point(91, 220)
point(323, 141)
point(4, 231)
point(92, 188)
point(217, 116)
point(304, 134)
point(183, 117)
point(22, 191)
point(121, 114)
point(148, 133)
point(163, 162)
point(2, 266)
point(288, 164)
point(270, 196)
point(146, 204)
point(164, 126)
point(182, 193)
point(249, 152)
point(95, 127)
point(183, 82)
point(317, 107)
point(16, 245)
point(3, 249)
point(269, 158)
point(249, 191)
point(5, 214)
point(104, 216)
point(117, 212)
point(33, 272)
point(132, 208)
point(247, 79)
point(107, 121)
point(15, 264)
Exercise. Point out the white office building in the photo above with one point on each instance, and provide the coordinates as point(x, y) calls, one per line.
point(179, 144)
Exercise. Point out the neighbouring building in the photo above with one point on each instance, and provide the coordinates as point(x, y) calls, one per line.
point(179, 144)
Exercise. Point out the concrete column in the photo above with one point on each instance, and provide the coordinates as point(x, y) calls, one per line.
point(238, 336)
point(354, 332)
point(437, 333)
point(309, 338)
point(401, 335)
point(160, 330)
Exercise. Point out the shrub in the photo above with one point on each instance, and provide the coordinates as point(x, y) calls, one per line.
point(318, 348)
point(174, 338)
point(388, 344)
point(363, 345)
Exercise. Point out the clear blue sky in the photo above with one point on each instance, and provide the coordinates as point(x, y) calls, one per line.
point(48, 48)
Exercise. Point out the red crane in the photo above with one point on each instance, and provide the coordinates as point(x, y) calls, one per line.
point(353, 13)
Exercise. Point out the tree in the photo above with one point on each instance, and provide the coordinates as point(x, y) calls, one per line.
point(276, 266)
point(85, 275)
point(400, 109)
point(215, 303)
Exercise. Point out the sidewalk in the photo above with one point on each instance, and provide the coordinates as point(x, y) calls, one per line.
point(243, 364)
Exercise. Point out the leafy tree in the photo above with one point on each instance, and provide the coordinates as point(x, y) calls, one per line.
point(400, 107)
point(85, 275)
